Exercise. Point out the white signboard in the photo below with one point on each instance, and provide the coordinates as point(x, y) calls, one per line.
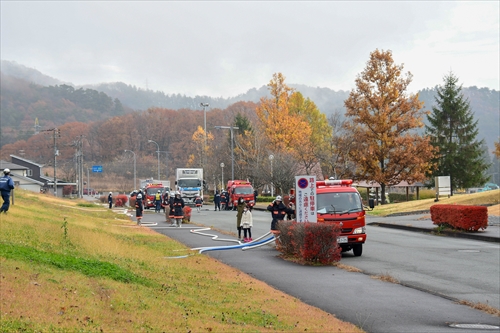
point(305, 197)
point(443, 185)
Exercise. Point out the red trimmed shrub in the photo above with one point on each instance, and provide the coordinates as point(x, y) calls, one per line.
point(462, 217)
point(310, 242)
point(120, 200)
point(187, 213)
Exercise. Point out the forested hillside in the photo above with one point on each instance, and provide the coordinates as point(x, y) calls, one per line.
point(22, 103)
point(26, 96)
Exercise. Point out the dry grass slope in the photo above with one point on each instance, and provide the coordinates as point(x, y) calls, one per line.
point(71, 268)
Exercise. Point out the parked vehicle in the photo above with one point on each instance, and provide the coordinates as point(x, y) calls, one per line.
point(189, 182)
point(89, 191)
point(240, 189)
point(338, 202)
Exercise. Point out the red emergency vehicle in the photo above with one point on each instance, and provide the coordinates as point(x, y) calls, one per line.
point(150, 191)
point(340, 203)
point(240, 189)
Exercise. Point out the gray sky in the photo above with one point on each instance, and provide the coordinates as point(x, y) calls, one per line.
point(224, 48)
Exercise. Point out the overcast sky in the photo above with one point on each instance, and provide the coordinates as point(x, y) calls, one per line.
point(224, 48)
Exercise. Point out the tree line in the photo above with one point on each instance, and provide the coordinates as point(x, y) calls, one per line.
point(381, 137)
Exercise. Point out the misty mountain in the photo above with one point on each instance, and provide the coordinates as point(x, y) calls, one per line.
point(30, 75)
point(484, 102)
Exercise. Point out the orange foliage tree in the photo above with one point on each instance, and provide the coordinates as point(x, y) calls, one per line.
point(385, 120)
point(283, 129)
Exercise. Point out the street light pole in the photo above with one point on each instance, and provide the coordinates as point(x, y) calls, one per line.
point(204, 106)
point(271, 158)
point(222, 179)
point(135, 183)
point(158, 153)
point(232, 146)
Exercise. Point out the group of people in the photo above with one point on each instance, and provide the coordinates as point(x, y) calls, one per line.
point(172, 206)
point(174, 212)
point(221, 200)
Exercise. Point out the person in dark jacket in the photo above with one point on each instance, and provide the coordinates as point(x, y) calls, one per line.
point(217, 200)
point(278, 212)
point(139, 208)
point(110, 200)
point(198, 202)
point(178, 205)
point(6, 186)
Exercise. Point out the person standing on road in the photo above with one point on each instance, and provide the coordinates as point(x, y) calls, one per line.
point(278, 212)
point(239, 207)
point(110, 200)
point(6, 186)
point(139, 208)
point(217, 200)
point(157, 201)
point(198, 202)
point(178, 204)
point(246, 224)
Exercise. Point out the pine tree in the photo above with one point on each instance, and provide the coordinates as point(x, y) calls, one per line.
point(454, 132)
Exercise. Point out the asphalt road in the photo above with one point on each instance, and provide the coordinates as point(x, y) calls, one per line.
point(373, 305)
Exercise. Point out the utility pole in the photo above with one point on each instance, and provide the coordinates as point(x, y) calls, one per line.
point(56, 133)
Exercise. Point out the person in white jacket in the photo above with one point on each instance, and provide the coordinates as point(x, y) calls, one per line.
point(246, 224)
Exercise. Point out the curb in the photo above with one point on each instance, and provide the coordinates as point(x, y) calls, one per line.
point(433, 232)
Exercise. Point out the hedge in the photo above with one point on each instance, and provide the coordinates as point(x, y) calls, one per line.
point(462, 217)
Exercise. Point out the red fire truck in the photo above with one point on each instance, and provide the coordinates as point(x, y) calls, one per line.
point(150, 191)
point(340, 203)
point(240, 189)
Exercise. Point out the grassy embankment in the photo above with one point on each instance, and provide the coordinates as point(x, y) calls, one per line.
point(67, 267)
point(483, 198)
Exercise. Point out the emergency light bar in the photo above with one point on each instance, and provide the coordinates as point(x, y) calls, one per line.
point(341, 182)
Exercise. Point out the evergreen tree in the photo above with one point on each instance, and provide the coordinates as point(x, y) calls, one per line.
point(454, 132)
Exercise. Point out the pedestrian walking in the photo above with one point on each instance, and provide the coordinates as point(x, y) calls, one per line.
point(6, 186)
point(239, 207)
point(110, 200)
point(217, 199)
point(139, 208)
point(247, 224)
point(198, 202)
point(178, 204)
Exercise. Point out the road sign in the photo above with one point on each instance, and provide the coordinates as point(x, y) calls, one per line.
point(97, 168)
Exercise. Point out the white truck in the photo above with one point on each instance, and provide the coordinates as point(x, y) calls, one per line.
point(189, 182)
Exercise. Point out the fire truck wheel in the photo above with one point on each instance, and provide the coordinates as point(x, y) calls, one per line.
point(357, 249)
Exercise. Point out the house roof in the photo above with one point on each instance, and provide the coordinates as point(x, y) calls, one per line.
point(27, 161)
point(375, 184)
point(11, 166)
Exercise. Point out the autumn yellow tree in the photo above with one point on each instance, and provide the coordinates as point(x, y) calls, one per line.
point(312, 147)
point(386, 119)
point(201, 150)
point(496, 152)
point(284, 130)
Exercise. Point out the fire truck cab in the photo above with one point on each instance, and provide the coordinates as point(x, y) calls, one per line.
point(338, 202)
point(240, 189)
point(150, 191)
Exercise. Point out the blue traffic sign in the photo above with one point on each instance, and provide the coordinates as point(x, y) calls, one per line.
point(97, 168)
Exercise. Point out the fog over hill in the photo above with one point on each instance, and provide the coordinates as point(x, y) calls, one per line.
point(484, 102)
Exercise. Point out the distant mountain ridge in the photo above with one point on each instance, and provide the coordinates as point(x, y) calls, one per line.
point(484, 102)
